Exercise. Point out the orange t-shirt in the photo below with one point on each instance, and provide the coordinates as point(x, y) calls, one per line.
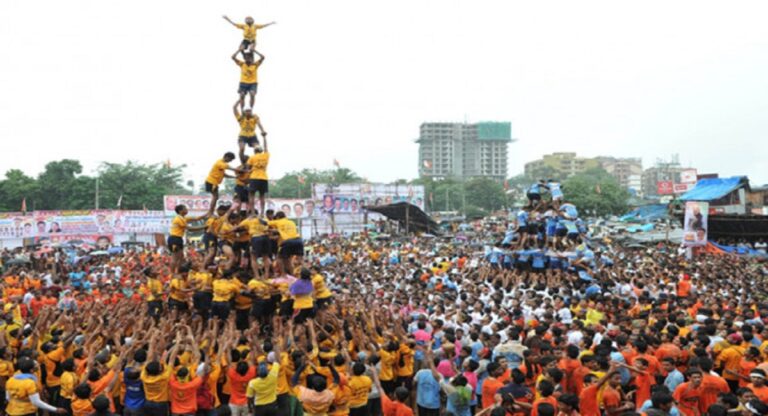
point(683, 288)
point(551, 400)
point(711, 386)
point(745, 367)
point(611, 398)
point(688, 399)
point(588, 401)
point(643, 393)
point(184, 395)
point(392, 408)
point(490, 387)
point(238, 384)
point(760, 392)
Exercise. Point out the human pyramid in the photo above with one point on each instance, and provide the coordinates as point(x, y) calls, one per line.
point(239, 231)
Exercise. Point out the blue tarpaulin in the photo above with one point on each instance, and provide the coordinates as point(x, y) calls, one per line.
point(743, 251)
point(714, 188)
point(646, 213)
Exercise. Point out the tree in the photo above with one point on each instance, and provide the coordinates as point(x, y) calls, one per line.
point(485, 193)
point(299, 184)
point(139, 185)
point(597, 192)
point(15, 188)
point(56, 183)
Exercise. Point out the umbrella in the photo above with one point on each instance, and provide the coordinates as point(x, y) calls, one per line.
point(115, 250)
point(17, 261)
point(99, 253)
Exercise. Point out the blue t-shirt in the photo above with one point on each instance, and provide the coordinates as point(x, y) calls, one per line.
point(134, 392)
point(538, 260)
point(427, 390)
point(522, 218)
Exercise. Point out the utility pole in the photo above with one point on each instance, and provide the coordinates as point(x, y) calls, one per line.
point(97, 193)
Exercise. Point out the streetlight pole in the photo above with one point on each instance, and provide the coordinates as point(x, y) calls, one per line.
point(97, 193)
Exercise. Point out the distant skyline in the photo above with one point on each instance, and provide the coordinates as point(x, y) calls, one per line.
point(352, 81)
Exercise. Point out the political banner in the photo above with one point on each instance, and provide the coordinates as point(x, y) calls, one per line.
point(695, 227)
point(199, 205)
point(82, 222)
point(681, 188)
point(688, 176)
point(354, 197)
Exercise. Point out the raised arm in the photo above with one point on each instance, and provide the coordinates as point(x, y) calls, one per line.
point(261, 57)
point(234, 58)
point(229, 20)
point(236, 109)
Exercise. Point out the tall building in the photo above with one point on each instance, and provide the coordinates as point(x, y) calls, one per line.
point(463, 151)
point(664, 172)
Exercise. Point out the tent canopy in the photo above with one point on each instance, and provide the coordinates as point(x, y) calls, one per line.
point(409, 216)
point(714, 188)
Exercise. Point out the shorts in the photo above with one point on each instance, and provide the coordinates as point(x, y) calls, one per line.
point(220, 310)
point(260, 246)
point(533, 228)
point(302, 315)
point(389, 386)
point(241, 246)
point(533, 197)
point(286, 308)
point(250, 141)
point(405, 381)
point(241, 192)
point(551, 231)
point(247, 88)
point(324, 302)
point(202, 301)
point(274, 247)
point(246, 43)
point(290, 248)
point(178, 305)
point(561, 232)
point(260, 186)
point(262, 308)
point(209, 187)
point(265, 409)
point(175, 244)
point(209, 240)
point(155, 308)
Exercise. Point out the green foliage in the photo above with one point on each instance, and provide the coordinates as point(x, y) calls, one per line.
point(478, 195)
point(596, 191)
point(62, 185)
point(289, 186)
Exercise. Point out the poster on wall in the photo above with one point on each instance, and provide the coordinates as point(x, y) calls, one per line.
point(695, 229)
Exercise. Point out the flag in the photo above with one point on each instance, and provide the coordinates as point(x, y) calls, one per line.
point(597, 189)
point(120, 202)
point(24, 206)
point(336, 163)
point(144, 206)
point(301, 180)
point(168, 163)
point(430, 199)
point(427, 164)
point(506, 185)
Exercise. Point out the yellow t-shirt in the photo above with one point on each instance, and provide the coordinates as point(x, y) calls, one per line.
point(286, 228)
point(155, 289)
point(223, 290)
point(249, 73)
point(361, 387)
point(156, 387)
point(260, 288)
point(242, 301)
point(225, 231)
point(255, 227)
point(248, 125)
point(249, 31)
point(258, 163)
point(321, 290)
point(216, 175)
point(241, 178)
point(214, 225)
point(18, 391)
point(177, 289)
point(50, 360)
point(203, 281)
point(68, 383)
point(178, 226)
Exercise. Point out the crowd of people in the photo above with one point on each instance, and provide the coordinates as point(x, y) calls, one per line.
point(545, 321)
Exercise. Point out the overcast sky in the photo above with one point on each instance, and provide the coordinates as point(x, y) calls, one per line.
point(352, 80)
